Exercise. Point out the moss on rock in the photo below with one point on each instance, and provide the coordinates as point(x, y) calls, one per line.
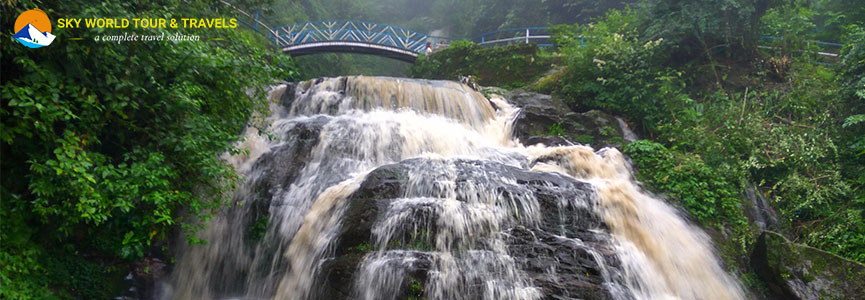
point(794, 271)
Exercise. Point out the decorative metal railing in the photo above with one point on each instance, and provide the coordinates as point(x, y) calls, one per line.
point(823, 53)
point(377, 34)
point(254, 22)
point(526, 35)
point(351, 31)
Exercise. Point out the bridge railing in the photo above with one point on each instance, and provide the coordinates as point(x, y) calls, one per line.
point(352, 31)
point(255, 22)
point(373, 33)
point(526, 35)
point(825, 53)
point(440, 42)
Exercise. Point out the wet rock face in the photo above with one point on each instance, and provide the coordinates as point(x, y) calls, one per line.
point(555, 251)
point(794, 271)
point(545, 119)
point(281, 165)
point(561, 268)
point(759, 211)
point(144, 278)
point(287, 97)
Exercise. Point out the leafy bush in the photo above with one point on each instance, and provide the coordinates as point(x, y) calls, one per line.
point(848, 225)
point(788, 137)
point(507, 66)
point(108, 147)
point(703, 28)
point(710, 194)
point(611, 69)
point(790, 25)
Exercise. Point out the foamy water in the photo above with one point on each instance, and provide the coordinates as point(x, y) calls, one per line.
point(367, 122)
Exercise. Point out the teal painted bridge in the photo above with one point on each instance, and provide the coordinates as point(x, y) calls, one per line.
point(373, 38)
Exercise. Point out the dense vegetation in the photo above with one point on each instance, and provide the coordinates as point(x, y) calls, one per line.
point(507, 66)
point(721, 115)
point(110, 148)
point(724, 116)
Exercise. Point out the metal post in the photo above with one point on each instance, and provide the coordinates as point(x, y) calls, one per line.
point(582, 42)
point(482, 39)
point(527, 35)
point(255, 22)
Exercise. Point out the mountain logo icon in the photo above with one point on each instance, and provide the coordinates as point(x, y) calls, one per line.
point(33, 29)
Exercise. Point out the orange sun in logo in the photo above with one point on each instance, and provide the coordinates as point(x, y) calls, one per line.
point(35, 17)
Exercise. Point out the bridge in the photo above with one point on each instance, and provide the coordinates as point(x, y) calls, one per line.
point(372, 38)
point(400, 43)
point(383, 40)
point(351, 36)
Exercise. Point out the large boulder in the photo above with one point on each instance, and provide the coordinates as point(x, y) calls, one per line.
point(794, 271)
point(557, 253)
point(545, 119)
point(758, 209)
point(276, 170)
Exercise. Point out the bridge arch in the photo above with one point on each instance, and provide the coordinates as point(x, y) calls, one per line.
point(351, 37)
point(371, 38)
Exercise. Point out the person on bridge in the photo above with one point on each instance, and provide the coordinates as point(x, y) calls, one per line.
point(428, 48)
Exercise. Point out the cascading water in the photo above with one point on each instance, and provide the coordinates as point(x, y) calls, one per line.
point(386, 188)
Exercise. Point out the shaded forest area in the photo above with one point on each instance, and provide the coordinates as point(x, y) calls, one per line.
point(110, 150)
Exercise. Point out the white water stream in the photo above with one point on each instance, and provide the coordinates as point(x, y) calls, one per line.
point(368, 122)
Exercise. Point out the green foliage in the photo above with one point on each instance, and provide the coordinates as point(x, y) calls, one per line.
point(703, 28)
point(786, 143)
point(258, 228)
point(549, 82)
point(409, 14)
point(507, 66)
point(615, 71)
point(849, 223)
point(556, 129)
point(416, 290)
point(363, 248)
point(858, 143)
point(710, 194)
point(458, 19)
point(791, 24)
point(416, 240)
point(791, 138)
point(752, 281)
point(109, 146)
point(852, 67)
point(21, 277)
point(467, 18)
point(585, 139)
point(794, 25)
point(853, 120)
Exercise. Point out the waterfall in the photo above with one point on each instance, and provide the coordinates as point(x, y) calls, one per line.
point(390, 188)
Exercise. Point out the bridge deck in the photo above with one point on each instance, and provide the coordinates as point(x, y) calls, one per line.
point(351, 47)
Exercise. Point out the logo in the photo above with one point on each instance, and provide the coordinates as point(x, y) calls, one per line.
point(33, 29)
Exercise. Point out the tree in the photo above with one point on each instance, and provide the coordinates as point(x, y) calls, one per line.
point(107, 148)
point(705, 28)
